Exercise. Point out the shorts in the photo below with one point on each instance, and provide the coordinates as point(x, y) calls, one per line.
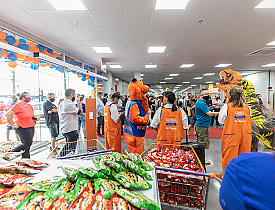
point(54, 129)
point(203, 134)
point(191, 121)
point(9, 128)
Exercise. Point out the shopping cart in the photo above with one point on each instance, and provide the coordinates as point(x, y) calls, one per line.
point(79, 150)
point(182, 188)
point(270, 114)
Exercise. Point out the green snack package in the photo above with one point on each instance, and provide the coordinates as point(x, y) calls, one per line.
point(137, 169)
point(150, 204)
point(127, 179)
point(143, 184)
point(45, 185)
point(105, 157)
point(81, 184)
point(137, 158)
point(102, 168)
point(107, 187)
point(88, 172)
point(147, 166)
point(114, 165)
point(71, 173)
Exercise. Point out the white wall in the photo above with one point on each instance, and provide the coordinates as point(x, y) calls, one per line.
point(261, 81)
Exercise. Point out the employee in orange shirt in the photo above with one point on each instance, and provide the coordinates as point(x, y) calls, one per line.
point(169, 121)
point(24, 123)
point(237, 131)
point(112, 124)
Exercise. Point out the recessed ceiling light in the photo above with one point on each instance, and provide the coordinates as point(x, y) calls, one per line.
point(223, 65)
point(168, 78)
point(271, 43)
point(115, 66)
point(178, 85)
point(171, 4)
point(186, 65)
point(266, 4)
point(150, 66)
point(67, 4)
point(173, 75)
point(208, 74)
point(185, 82)
point(142, 75)
point(210, 82)
point(193, 85)
point(102, 49)
point(197, 77)
point(163, 82)
point(269, 65)
point(159, 86)
point(156, 49)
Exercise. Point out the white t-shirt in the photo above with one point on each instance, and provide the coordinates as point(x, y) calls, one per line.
point(114, 111)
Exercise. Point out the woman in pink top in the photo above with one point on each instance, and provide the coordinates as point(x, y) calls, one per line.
point(24, 123)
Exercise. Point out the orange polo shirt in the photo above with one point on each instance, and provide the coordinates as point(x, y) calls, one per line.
point(24, 115)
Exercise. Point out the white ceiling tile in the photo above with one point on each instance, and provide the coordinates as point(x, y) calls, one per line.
point(260, 31)
point(137, 5)
point(111, 18)
point(192, 17)
point(255, 17)
point(66, 33)
point(9, 6)
point(159, 41)
point(226, 17)
point(34, 5)
point(211, 48)
point(113, 32)
point(137, 18)
point(97, 42)
point(213, 31)
point(77, 43)
point(120, 50)
point(104, 5)
point(201, 4)
point(243, 4)
point(139, 49)
point(269, 21)
point(176, 45)
point(138, 33)
point(83, 18)
point(162, 31)
point(242, 40)
point(187, 31)
point(42, 33)
point(20, 19)
point(117, 42)
point(50, 19)
point(166, 18)
point(89, 32)
point(138, 42)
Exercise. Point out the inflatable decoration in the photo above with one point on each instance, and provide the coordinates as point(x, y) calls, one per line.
point(12, 64)
point(261, 126)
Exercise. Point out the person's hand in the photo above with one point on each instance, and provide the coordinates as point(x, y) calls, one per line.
point(98, 114)
point(49, 112)
point(15, 126)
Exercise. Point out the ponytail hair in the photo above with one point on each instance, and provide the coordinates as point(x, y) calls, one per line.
point(171, 99)
point(236, 97)
point(22, 95)
point(115, 95)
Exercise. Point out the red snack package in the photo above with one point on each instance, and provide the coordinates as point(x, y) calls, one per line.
point(60, 204)
point(11, 199)
point(31, 163)
point(83, 200)
point(98, 202)
point(4, 190)
point(117, 203)
point(9, 179)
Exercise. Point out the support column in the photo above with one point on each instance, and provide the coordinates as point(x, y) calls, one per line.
point(65, 85)
point(109, 83)
point(13, 82)
point(137, 75)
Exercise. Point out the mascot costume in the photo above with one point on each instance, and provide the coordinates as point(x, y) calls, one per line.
point(136, 116)
point(261, 126)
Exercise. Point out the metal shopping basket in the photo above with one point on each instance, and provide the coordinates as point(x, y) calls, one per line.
point(79, 150)
point(182, 188)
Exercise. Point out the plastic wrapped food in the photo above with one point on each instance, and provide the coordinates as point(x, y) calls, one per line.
point(9, 179)
point(88, 172)
point(118, 203)
point(114, 165)
point(8, 146)
point(4, 190)
point(150, 204)
point(137, 169)
point(105, 157)
point(10, 155)
point(34, 201)
point(107, 187)
point(31, 163)
point(60, 204)
point(101, 167)
point(81, 184)
point(46, 184)
point(71, 173)
point(98, 202)
point(14, 197)
point(14, 168)
point(83, 200)
point(143, 184)
point(137, 158)
point(127, 179)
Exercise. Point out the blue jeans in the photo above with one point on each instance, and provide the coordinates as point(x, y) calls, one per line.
point(70, 137)
point(82, 120)
point(100, 124)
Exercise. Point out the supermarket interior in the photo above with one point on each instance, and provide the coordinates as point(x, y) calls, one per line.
point(137, 104)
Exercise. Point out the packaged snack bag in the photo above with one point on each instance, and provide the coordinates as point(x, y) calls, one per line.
point(60, 204)
point(71, 173)
point(105, 157)
point(14, 197)
point(127, 179)
point(101, 167)
point(83, 200)
point(137, 169)
point(118, 203)
point(143, 184)
point(98, 202)
point(137, 158)
point(31, 163)
point(81, 184)
point(132, 198)
point(10, 155)
point(114, 165)
point(150, 204)
point(107, 187)
point(9, 179)
point(4, 190)
point(36, 200)
point(46, 184)
point(88, 172)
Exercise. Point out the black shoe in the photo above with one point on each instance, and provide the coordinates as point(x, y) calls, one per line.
point(218, 124)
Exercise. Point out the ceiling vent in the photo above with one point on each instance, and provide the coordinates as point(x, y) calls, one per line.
point(266, 51)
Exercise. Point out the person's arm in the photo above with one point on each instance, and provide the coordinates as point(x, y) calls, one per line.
point(212, 114)
point(223, 114)
point(184, 119)
point(79, 106)
point(134, 116)
point(205, 109)
point(156, 120)
point(115, 115)
point(9, 118)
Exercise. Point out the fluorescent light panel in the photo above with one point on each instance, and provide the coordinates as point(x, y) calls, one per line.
point(142, 75)
point(150, 66)
point(208, 74)
point(223, 65)
point(178, 85)
point(193, 85)
point(102, 49)
point(67, 4)
point(185, 82)
point(197, 77)
point(173, 75)
point(271, 43)
point(269, 65)
point(266, 4)
point(168, 78)
point(171, 4)
point(160, 49)
point(209, 82)
point(162, 82)
point(186, 65)
point(114, 66)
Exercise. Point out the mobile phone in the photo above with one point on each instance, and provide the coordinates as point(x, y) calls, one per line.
point(34, 118)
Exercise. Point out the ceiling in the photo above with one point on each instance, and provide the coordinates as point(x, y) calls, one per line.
point(206, 34)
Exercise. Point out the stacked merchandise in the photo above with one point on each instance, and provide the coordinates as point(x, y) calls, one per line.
point(110, 184)
point(176, 189)
point(7, 146)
